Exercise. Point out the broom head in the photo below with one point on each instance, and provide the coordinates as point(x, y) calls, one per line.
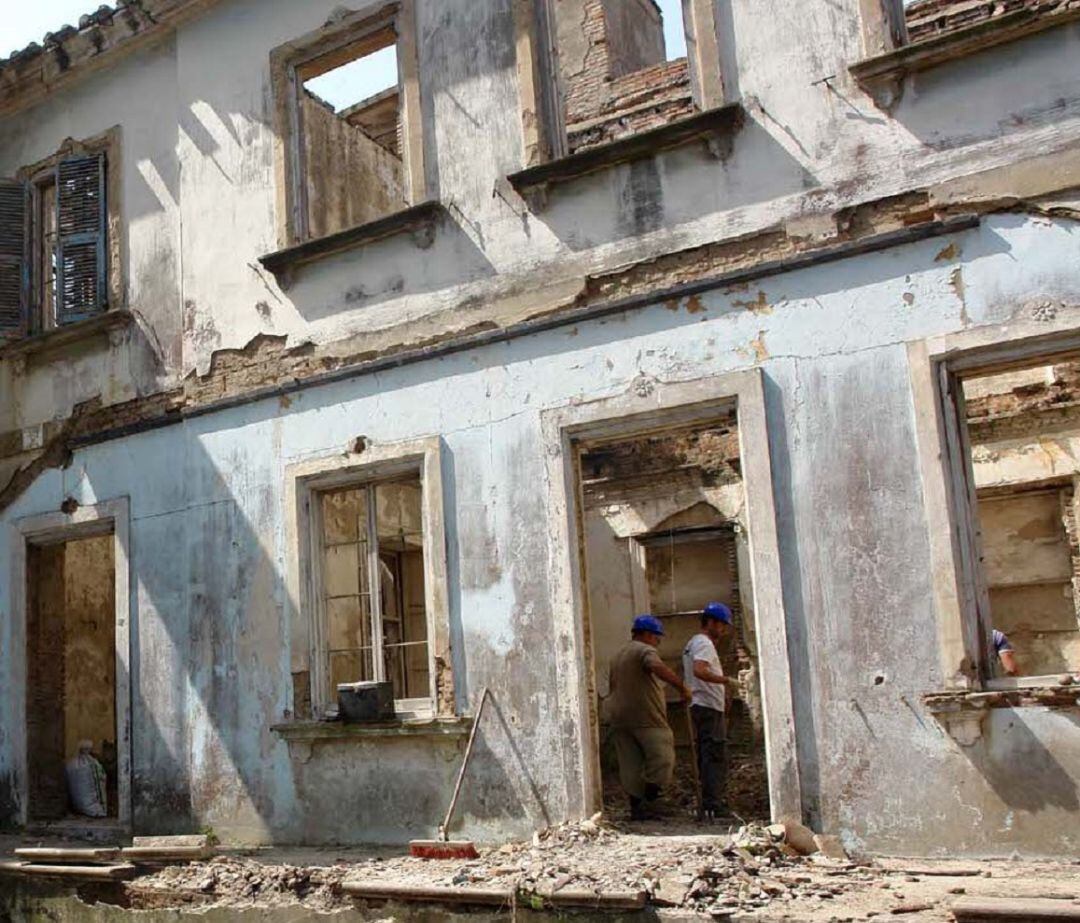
point(443, 849)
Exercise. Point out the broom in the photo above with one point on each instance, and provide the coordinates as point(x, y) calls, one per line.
point(444, 847)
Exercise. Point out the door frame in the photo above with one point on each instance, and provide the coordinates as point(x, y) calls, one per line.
point(650, 406)
point(109, 517)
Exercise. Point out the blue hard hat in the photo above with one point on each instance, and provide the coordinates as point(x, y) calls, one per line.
point(648, 623)
point(718, 612)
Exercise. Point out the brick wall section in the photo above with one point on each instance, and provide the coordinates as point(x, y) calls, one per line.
point(930, 18)
point(1031, 398)
point(600, 108)
point(635, 103)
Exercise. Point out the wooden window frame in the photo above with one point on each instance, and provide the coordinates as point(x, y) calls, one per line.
point(938, 367)
point(416, 707)
point(109, 144)
point(305, 483)
point(367, 27)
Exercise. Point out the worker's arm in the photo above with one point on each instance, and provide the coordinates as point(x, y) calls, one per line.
point(661, 670)
point(704, 672)
point(1008, 662)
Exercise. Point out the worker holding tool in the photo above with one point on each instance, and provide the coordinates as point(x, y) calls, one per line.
point(705, 677)
point(636, 709)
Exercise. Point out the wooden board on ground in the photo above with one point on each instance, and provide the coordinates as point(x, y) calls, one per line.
point(56, 856)
point(1005, 909)
point(71, 872)
point(166, 853)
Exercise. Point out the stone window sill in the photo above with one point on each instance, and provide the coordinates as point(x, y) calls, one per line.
point(883, 75)
point(419, 220)
point(308, 731)
point(961, 713)
point(63, 337)
point(717, 127)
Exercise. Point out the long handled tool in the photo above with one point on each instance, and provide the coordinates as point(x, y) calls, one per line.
point(694, 760)
point(444, 847)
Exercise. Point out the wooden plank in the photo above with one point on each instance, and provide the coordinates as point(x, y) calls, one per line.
point(166, 853)
point(78, 872)
point(68, 856)
point(1031, 910)
point(416, 894)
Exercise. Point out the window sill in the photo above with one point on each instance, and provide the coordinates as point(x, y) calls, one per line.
point(419, 220)
point(717, 127)
point(883, 74)
point(961, 713)
point(63, 337)
point(305, 731)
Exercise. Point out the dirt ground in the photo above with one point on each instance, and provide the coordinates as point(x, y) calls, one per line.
point(742, 877)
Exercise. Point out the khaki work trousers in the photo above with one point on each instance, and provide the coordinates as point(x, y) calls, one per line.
point(646, 756)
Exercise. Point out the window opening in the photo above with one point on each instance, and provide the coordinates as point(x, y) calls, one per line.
point(350, 115)
point(623, 67)
point(373, 591)
point(1021, 433)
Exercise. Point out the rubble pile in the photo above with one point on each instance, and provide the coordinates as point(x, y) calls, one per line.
point(232, 879)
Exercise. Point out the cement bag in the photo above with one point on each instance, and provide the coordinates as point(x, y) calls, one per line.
point(86, 784)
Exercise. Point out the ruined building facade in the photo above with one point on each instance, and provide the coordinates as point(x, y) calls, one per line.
point(441, 384)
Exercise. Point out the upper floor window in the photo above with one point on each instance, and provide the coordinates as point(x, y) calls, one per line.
point(54, 255)
point(624, 67)
point(348, 114)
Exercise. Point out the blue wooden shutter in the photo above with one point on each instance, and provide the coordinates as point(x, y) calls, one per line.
point(81, 289)
point(14, 257)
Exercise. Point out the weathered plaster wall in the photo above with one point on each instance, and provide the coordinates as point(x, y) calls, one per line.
point(353, 179)
point(211, 646)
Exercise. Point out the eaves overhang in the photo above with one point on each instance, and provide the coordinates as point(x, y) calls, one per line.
point(100, 40)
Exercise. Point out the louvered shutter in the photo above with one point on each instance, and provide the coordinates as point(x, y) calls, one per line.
point(14, 257)
point(80, 251)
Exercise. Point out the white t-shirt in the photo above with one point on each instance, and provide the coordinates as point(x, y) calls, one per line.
point(711, 695)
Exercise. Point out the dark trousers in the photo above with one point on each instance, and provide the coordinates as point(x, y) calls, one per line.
point(710, 731)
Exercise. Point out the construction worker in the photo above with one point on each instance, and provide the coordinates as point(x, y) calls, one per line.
point(705, 677)
point(1003, 653)
point(636, 709)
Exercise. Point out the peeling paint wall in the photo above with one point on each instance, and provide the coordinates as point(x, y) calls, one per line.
point(993, 132)
point(211, 660)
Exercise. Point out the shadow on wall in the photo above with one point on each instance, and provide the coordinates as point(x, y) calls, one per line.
point(494, 794)
point(1001, 91)
point(388, 270)
point(209, 643)
point(1019, 767)
point(675, 187)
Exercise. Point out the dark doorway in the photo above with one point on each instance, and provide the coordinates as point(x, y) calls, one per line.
point(71, 669)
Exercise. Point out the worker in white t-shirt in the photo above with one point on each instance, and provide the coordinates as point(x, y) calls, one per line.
point(705, 677)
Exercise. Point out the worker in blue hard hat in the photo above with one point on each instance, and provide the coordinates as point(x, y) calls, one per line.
point(637, 712)
point(705, 677)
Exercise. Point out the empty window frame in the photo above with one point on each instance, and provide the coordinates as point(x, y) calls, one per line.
point(1011, 432)
point(371, 589)
point(54, 244)
point(624, 68)
point(348, 111)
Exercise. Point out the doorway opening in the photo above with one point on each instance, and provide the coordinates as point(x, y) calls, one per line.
point(71, 682)
point(664, 531)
